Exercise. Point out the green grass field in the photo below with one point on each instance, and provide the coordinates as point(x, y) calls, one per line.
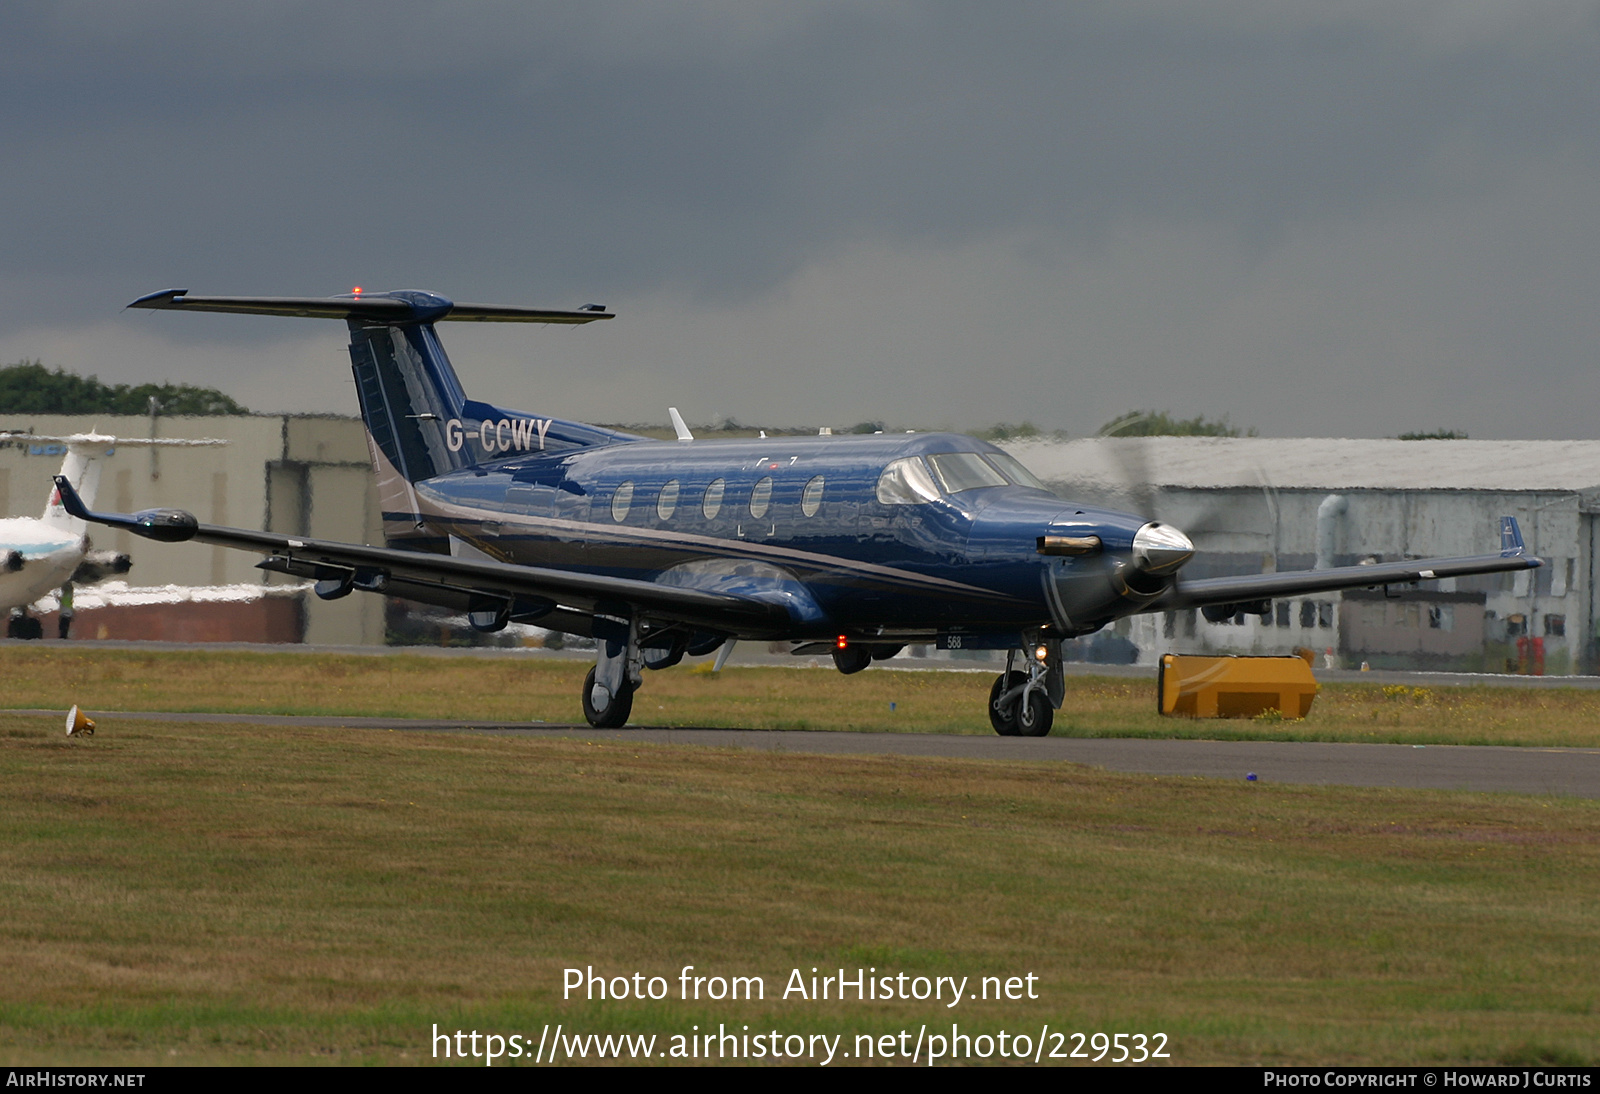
point(536, 689)
point(222, 893)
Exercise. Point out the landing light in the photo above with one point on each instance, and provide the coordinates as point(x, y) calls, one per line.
point(1041, 652)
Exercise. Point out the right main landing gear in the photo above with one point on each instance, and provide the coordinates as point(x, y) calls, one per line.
point(609, 687)
point(626, 648)
point(1023, 703)
point(613, 714)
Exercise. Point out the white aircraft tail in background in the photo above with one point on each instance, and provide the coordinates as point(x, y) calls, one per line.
point(40, 554)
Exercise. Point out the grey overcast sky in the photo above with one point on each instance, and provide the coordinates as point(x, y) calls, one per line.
point(1348, 217)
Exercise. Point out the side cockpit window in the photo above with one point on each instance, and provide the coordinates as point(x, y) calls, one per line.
point(1012, 468)
point(906, 482)
point(960, 471)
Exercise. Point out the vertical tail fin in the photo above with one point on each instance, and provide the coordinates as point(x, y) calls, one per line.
point(409, 394)
point(1510, 537)
point(82, 469)
point(420, 424)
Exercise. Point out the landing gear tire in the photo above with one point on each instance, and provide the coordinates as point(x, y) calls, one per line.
point(1005, 722)
point(1034, 716)
point(852, 659)
point(615, 714)
point(24, 626)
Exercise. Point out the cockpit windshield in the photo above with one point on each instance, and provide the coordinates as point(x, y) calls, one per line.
point(914, 480)
point(1013, 469)
point(906, 482)
point(960, 471)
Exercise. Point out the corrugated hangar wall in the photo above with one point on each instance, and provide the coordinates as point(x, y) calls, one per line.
point(1253, 504)
point(303, 475)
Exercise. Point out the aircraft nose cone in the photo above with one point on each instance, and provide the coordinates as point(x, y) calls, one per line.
point(1160, 548)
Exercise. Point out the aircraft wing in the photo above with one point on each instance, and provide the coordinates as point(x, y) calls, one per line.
point(532, 593)
point(1248, 588)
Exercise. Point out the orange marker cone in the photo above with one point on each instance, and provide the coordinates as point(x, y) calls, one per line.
point(79, 724)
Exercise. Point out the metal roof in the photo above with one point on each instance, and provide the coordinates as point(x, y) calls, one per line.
point(1315, 463)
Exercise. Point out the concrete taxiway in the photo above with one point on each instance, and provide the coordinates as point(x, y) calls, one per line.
point(1571, 772)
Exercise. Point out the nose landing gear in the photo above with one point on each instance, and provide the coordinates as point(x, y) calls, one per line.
point(1023, 703)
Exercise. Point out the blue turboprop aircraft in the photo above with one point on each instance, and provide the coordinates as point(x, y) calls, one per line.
point(856, 545)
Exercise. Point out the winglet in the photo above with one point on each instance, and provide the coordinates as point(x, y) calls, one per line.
point(166, 525)
point(166, 298)
point(70, 500)
point(679, 426)
point(1510, 538)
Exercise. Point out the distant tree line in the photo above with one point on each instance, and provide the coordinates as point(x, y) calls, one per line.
point(27, 387)
point(1159, 423)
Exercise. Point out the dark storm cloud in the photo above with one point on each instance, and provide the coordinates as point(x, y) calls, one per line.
point(542, 146)
point(1335, 216)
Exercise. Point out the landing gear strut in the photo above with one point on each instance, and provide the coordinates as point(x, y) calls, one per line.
point(608, 688)
point(1024, 698)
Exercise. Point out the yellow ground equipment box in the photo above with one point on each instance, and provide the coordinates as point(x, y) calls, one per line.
point(1234, 687)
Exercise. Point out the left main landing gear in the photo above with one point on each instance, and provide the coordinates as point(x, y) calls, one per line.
point(23, 625)
point(1024, 698)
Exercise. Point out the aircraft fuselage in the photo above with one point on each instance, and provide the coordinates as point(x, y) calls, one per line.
point(806, 510)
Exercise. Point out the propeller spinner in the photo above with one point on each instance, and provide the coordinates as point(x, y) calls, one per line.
point(1160, 548)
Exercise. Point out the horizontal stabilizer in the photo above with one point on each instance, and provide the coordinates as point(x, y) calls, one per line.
point(403, 306)
point(98, 441)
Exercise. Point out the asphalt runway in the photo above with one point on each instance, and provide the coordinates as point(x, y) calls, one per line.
point(1568, 772)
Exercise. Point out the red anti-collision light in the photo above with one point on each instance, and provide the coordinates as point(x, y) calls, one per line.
point(842, 642)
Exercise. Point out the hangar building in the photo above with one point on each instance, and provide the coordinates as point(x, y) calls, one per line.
point(301, 475)
point(1257, 503)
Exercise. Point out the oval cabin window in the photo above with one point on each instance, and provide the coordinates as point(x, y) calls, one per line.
point(712, 505)
point(811, 500)
point(621, 502)
point(761, 497)
point(667, 500)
